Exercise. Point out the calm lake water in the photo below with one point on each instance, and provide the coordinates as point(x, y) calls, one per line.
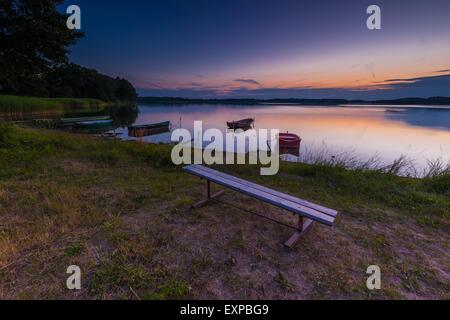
point(387, 132)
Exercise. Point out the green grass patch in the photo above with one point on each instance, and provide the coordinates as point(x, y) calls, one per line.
point(173, 289)
point(74, 249)
point(10, 103)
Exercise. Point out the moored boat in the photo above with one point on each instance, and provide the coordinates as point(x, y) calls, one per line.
point(289, 143)
point(84, 119)
point(148, 129)
point(94, 124)
point(289, 140)
point(241, 124)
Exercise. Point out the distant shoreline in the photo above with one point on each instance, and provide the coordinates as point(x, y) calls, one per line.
point(433, 101)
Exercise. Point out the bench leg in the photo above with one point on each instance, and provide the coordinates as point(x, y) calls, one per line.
point(304, 225)
point(208, 196)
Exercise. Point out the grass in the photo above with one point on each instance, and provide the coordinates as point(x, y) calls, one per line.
point(348, 159)
point(119, 211)
point(23, 108)
point(17, 103)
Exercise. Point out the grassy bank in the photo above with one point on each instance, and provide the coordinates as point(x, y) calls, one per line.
point(26, 104)
point(119, 211)
point(15, 108)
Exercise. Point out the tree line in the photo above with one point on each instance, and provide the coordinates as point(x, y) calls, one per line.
point(34, 42)
point(432, 101)
point(74, 81)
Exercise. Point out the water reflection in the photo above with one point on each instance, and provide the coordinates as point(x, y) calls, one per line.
point(121, 115)
point(388, 132)
point(124, 115)
point(420, 133)
point(429, 118)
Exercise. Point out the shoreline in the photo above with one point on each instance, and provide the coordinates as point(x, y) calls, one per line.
point(432, 101)
point(11, 103)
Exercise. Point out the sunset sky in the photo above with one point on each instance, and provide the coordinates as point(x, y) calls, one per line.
point(268, 49)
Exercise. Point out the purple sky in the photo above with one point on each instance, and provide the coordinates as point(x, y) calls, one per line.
point(267, 49)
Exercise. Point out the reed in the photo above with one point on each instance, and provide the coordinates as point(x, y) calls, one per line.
point(350, 160)
point(9, 103)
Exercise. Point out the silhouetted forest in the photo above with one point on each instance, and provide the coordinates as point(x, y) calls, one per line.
point(425, 101)
point(323, 102)
point(240, 101)
point(74, 81)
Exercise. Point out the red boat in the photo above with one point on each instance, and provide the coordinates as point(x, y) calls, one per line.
point(289, 140)
point(289, 143)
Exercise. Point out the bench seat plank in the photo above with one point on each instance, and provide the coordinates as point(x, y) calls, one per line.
point(261, 195)
point(302, 202)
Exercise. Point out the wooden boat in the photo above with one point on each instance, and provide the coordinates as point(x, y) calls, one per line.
point(84, 119)
point(148, 129)
point(241, 124)
point(94, 124)
point(289, 140)
point(289, 143)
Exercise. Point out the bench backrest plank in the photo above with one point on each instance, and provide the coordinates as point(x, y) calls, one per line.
point(302, 202)
point(261, 195)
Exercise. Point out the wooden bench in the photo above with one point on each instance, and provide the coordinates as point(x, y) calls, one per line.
point(307, 212)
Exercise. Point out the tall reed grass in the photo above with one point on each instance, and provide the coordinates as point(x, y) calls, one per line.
point(349, 159)
point(14, 108)
point(10, 103)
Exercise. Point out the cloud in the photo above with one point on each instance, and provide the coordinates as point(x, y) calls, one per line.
point(147, 84)
point(421, 79)
point(397, 80)
point(248, 81)
point(442, 71)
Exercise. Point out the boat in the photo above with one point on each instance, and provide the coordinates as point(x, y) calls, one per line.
point(241, 124)
point(94, 124)
point(144, 130)
point(84, 119)
point(289, 140)
point(289, 143)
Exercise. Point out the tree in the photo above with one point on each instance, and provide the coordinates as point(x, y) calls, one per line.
point(33, 39)
point(125, 90)
point(73, 81)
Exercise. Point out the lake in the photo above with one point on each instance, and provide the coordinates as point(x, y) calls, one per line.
point(355, 133)
point(386, 132)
